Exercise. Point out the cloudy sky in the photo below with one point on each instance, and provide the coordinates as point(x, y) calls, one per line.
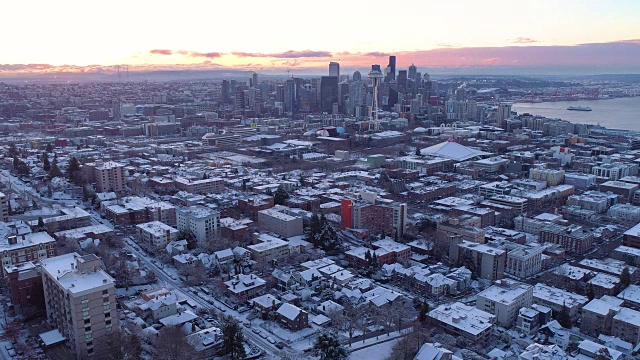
point(597, 36)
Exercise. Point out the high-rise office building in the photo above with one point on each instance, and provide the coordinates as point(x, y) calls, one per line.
point(239, 101)
point(402, 80)
point(334, 69)
point(291, 96)
point(357, 98)
point(80, 299)
point(504, 112)
point(413, 70)
point(392, 67)
point(254, 80)
point(357, 76)
point(225, 91)
point(328, 93)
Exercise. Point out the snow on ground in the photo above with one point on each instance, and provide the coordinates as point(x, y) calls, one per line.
point(378, 339)
point(379, 351)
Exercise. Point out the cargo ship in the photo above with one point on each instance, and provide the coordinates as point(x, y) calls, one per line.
point(579, 108)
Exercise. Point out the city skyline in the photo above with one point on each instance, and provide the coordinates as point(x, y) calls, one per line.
point(497, 34)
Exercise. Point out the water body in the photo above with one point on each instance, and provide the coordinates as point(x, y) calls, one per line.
point(621, 113)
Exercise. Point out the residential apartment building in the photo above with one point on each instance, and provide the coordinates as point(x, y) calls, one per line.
point(624, 189)
point(524, 261)
point(80, 302)
point(518, 204)
point(389, 218)
point(504, 299)
point(574, 239)
point(202, 222)
point(401, 252)
point(631, 237)
point(626, 325)
point(467, 321)
point(204, 186)
point(550, 176)
point(105, 175)
point(555, 299)
point(625, 212)
point(137, 210)
point(597, 315)
point(156, 233)
point(488, 261)
point(253, 204)
point(269, 248)
point(67, 218)
point(24, 282)
point(614, 171)
point(4, 207)
point(279, 222)
point(19, 249)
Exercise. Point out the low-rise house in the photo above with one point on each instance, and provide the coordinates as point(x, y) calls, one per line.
point(224, 256)
point(265, 304)
point(244, 287)
point(293, 317)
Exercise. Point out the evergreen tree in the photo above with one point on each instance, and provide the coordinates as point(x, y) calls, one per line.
point(192, 242)
point(232, 338)
point(424, 312)
point(564, 318)
point(302, 181)
point(13, 151)
point(55, 171)
point(280, 196)
point(40, 224)
point(328, 347)
point(418, 151)
point(20, 166)
point(625, 278)
point(73, 170)
point(49, 148)
point(591, 294)
point(46, 164)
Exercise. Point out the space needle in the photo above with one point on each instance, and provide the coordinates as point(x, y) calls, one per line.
point(375, 75)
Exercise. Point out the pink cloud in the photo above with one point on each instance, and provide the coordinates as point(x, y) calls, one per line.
point(290, 54)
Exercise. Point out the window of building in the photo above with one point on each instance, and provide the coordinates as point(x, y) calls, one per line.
point(105, 292)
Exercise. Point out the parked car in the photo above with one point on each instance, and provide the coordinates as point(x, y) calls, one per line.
point(271, 340)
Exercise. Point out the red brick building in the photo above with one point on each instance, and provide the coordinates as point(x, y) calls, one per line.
point(25, 289)
point(357, 256)
point(252, 205)
point(293, 317)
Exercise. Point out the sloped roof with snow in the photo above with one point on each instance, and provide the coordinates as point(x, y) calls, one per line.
point(289, 311)
point(453, 150)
